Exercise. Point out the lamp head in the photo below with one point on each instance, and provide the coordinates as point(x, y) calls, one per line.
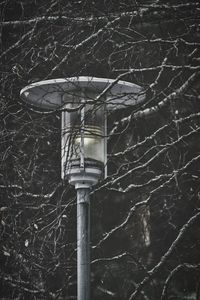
point(83, 102)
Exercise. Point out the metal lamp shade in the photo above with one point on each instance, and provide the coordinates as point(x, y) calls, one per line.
point(54, 93)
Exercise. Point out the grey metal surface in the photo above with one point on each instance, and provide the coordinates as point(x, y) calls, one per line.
point(54, 93)
point(83, 244)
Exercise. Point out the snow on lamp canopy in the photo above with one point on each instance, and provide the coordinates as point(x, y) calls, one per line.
point(83, 102)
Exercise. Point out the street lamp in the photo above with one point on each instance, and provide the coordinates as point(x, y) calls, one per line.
point(84, 102)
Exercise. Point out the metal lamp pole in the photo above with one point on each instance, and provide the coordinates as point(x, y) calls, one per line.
point(82, 172)
point(83, 243)
point(83, 182)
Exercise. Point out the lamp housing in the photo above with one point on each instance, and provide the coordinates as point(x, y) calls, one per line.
point(83, 102)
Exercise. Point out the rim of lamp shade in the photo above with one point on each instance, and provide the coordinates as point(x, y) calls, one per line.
point(54, 93)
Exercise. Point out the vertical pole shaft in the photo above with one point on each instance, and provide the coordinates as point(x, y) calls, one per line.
point(83, 244)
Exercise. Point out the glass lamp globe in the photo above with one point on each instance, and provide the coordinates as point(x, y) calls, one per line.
point(83, 148)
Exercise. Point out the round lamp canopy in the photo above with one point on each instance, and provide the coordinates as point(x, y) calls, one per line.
point(54, 93)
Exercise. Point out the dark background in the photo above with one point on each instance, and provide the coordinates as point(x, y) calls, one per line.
point(145, 215)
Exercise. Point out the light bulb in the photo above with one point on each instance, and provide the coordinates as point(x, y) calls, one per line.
point(93, 147)
point(86, 140)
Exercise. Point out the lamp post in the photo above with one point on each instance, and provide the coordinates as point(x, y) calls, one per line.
point(83, 102)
